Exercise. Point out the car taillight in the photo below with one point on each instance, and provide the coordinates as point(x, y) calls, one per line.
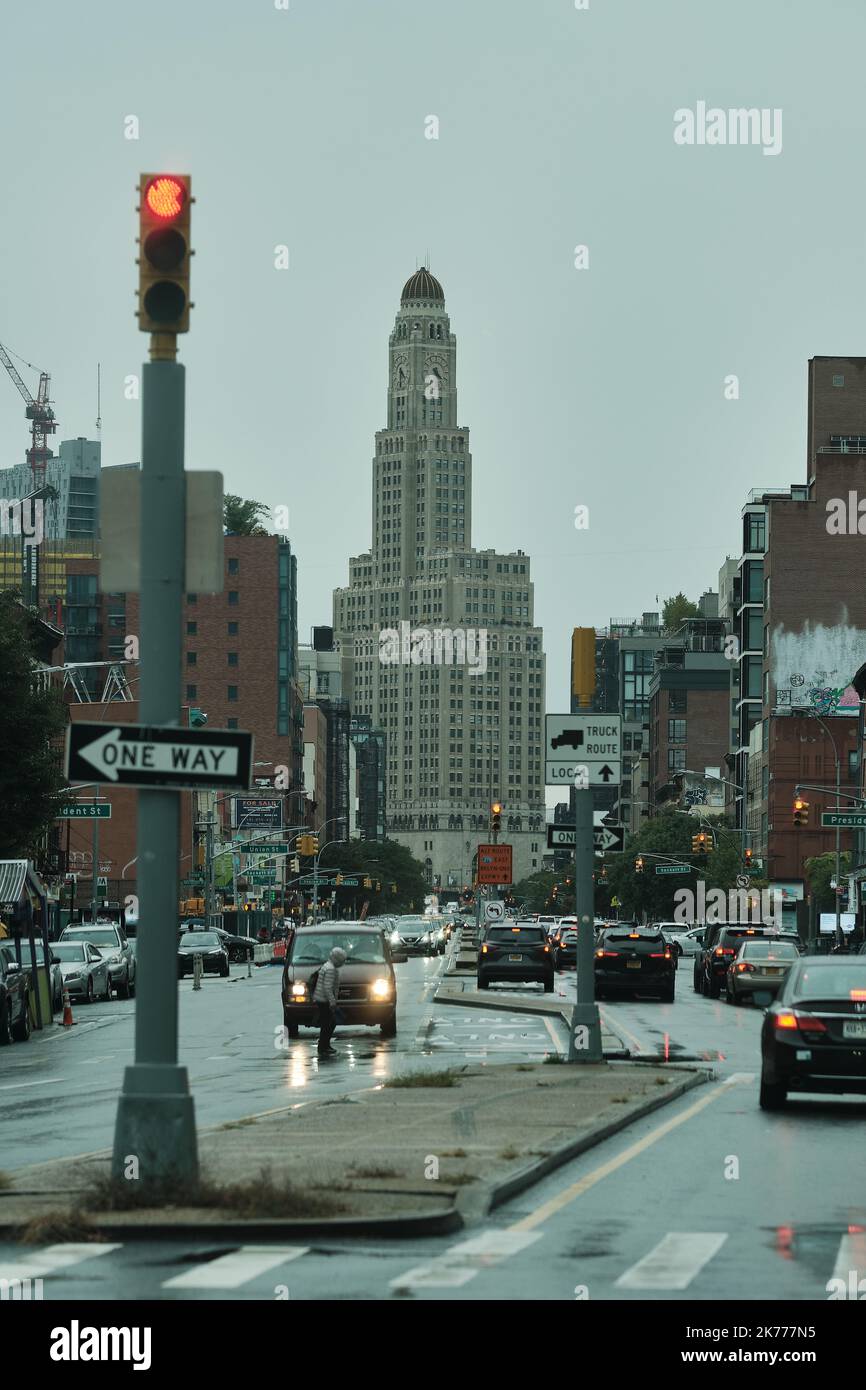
point(547, 948)
point(790, 1020)
point(607, 953)
point(484, 949)
point(744, 965)
point(725, 951)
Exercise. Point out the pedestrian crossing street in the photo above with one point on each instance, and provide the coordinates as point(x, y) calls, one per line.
point(671, 1265)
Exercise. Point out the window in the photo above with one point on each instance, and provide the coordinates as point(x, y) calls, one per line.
point(192, 598)
point(676, 759)
point(232, 629)
point(233, 566)
point(232, 693)
point(676, 731)
point(677, 700)
point(192, 692)
point(755, 532)
point(233, 596)
point(192, 629)
point(838, 381)
point(231, 723)
point(753, 630)
point(192, 658)
point(233, 658)
point(753, 581)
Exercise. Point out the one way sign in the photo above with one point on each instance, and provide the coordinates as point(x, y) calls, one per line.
point(131, 755)
point(605, 837)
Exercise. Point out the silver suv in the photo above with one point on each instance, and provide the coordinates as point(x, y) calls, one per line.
point(110, 940)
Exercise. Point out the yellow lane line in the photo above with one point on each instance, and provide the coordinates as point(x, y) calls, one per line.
point(577, 1189)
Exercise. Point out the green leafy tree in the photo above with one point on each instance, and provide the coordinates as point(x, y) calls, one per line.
point(31, 723)
point(546, 891)
point(670, 834)
point(676, 610)
point(820, 869)
point(241, 518)
point(384, 861)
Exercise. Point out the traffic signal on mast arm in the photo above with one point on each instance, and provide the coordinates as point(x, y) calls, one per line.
point(801, 811)
point(638, 864)
point(164, 252)
point(700, 843)
point(747, 856)
point(496, 816)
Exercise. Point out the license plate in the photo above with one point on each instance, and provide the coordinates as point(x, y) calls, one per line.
point(515, 957)
point(775, 970)
point(632, 965)
point(854, 1030)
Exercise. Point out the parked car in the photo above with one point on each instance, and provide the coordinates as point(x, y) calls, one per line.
point(207, 944)
point(813, 1036)
point(240, 948)
point(720, 945)
point(565, 948)
point(515, 952)
point(368, 984)
point(55, 975)
point(759, 967)
point(111, 941)
point(84, 970)
point(636, 960)
point(674, 932)
point(14, 1003)
point(689, 940)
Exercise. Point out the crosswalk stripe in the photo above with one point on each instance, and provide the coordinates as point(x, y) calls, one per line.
point(238, 1267)
point(674, 1262)
point(851, 1255)
point(54, 1258)
point(462, 1262)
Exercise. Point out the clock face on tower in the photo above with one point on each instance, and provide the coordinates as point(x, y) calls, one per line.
point(436, 362)
point(401, 369)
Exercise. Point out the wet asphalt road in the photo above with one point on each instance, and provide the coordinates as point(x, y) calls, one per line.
point(707, 1199)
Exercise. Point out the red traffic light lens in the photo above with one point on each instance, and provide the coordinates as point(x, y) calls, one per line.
point(165, 196)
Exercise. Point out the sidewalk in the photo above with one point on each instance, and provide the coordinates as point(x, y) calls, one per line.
point(391, 1160)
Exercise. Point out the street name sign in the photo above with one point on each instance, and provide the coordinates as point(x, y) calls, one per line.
point(842, 820)
point(263, 847)
point(85, 810)
point(672, 869)
point(605, 837)
point(132, 755)
point(261, 875)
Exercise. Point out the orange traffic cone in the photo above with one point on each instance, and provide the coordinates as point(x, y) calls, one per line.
point(68, 1020)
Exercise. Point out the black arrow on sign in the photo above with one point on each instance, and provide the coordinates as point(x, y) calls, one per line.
point(606, 773)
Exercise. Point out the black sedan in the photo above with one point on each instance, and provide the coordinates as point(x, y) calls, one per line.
point(207, 944)
point(814, 1036)
point(633, 961)
point(14, 1003)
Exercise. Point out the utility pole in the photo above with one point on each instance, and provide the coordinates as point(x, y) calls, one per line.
point(156, 1113)
point(584, 1043)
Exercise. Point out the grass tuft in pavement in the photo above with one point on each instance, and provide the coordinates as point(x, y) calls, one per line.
point(5, 1182)
point(256, 1197)
point(423, 1078)
point(56, 1228)
point(374, 1170)
point(553, 1059)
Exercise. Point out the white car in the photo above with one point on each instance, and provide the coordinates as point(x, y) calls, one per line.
point(682, 935)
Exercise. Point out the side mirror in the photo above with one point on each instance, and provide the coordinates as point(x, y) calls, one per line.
point(13, 968)
point(55, 960)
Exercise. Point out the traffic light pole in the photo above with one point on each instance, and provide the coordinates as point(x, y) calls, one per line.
point(584, 1043)
point(156, 1116)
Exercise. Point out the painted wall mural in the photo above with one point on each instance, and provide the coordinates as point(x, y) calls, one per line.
point(814, 667)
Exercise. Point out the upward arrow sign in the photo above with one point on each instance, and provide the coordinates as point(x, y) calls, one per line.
point(606, 773)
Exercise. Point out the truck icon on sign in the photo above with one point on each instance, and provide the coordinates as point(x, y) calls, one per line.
point(569, 738)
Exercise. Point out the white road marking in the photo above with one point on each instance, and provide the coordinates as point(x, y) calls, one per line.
point(462, 1262)
point(54, 1257)
point(851, 1255)
point(739, 1077)
point(16, 1085)
point(230, 1271)
point(674, 1262)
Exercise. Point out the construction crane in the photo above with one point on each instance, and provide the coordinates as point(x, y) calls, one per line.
point(39, 413)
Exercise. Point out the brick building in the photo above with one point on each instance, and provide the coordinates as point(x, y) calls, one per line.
point(689, 704)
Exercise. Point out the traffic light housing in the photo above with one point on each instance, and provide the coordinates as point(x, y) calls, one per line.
point(314, 844)
point(496, 816)
point(164, 252)
point(338, 880)
point(747, 856)
point(801, 812)
point(638, 864)
point(368, 882)
point(700, 843)
point(296, 864)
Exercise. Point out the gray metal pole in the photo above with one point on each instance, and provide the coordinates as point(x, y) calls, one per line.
point(584, 1044)
point(156, 1113)
point(839, 936)
point(94, 845)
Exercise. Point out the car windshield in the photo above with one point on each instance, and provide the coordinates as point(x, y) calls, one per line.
point(200, 938)
point(68, 950)
point(98, 936)
point(313, 948)
point(769, 950)
point(414, 924)
point(836, 981)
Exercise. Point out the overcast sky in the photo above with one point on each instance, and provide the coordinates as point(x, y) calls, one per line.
point(602, 387)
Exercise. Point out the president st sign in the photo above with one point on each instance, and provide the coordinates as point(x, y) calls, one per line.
point(131, 755)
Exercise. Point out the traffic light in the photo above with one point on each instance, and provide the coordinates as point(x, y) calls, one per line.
point(394, 889)
point(801, 812)
point(338, 880)
point(700, 843)
point(314, 844)
point(368, 883)
point(496, 817)
point(296, 865)
point(638, 864)
point(164, 253)
point(747, 855)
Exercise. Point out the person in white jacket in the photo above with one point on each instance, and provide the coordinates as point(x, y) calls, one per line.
point(326, 994)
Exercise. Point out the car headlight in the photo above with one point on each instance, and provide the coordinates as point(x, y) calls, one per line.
point(380, 989)
point(395, 936)
point(73, 975)
point(298, 990)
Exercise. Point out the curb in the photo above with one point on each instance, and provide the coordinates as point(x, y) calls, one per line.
point(475, 1206)
point(472, 999)
point(443, 1223)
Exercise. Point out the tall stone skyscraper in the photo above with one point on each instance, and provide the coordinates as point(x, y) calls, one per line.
point(463, 727)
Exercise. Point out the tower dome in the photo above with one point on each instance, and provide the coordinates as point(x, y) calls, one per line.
point(422, 285)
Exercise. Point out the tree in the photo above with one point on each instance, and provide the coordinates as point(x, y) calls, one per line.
point(31, 722)
point(820, 869)
point(676, 610)
point(241, 518)
point(384, 861)
point(670, 834)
